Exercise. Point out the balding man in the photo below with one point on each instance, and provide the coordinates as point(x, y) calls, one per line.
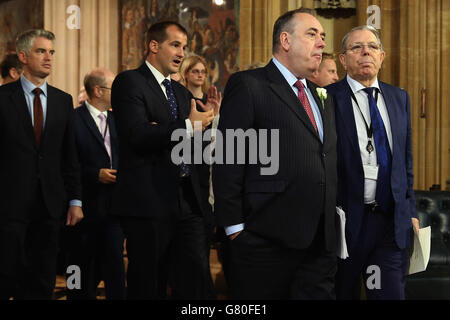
point(327, 72)
point(96, 245)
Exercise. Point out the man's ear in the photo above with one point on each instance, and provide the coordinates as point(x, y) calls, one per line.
point(285, 41)
point(97, 92)
point(382, 56)
point(343, 61)
point(23, 57)
point(153, 46)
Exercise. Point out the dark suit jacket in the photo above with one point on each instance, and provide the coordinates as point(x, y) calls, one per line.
point(54, 166)
point(93, 157)
point(148, 180)
point(350, 169)
point(285, 207)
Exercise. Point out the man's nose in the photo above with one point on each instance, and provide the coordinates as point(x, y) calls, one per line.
point(365, 50)
point(321, 43)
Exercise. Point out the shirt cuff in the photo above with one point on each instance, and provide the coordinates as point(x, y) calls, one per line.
point(189, 129)
point(234, 228)
point(75, 203)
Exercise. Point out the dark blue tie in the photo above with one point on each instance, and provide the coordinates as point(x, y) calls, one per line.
point(171, 98)
point(383, 192)
point(174, 110)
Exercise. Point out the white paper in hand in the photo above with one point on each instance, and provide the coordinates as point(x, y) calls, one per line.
point(421, 252)
point(342, 243)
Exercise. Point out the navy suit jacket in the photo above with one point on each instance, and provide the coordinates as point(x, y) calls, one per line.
point(350, 169)
point(93, 157)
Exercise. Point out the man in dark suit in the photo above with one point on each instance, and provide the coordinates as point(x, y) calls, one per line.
point(374, 171)
point(282, 225)
point(39, 172)
point(96, 244)
point(162, 208)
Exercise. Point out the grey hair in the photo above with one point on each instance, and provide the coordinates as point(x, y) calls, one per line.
point(25, 40)
point(365, 27)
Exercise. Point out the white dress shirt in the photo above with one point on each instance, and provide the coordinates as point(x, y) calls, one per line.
point(160, 78)
point(370, 186)
point(95, 113)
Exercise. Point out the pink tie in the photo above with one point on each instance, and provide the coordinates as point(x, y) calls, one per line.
point(304, 100)
point(104, 130)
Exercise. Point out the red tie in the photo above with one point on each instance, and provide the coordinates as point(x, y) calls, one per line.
point(38, 115)
point(304, 100)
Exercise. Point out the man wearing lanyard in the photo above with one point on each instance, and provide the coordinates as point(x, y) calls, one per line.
point(39, 172)
point(375, 176)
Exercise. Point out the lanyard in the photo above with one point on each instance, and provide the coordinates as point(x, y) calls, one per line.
point(369, 129)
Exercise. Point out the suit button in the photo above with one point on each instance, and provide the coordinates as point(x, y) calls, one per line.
point(323, 155)
point(41, 157)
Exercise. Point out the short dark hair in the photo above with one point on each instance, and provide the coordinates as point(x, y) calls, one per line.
point(11, 61)
point(158, 31)
point(284, 23)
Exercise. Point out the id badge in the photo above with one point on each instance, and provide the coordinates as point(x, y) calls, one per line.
point(370, 172)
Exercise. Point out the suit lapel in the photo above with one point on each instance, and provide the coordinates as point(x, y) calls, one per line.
point(51, 117)
point(155, 87)
point(323, 112)
point(344, 108)
point(282, 89)
point(90, 124)
point(113, 136)
point(392, 109)
point(18, 98)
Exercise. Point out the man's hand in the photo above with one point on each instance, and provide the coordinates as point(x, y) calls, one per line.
point(197, 116)
point(74, 215)
point(415, 223)
point(234, 235)
point(214, 101)
point(107, 176)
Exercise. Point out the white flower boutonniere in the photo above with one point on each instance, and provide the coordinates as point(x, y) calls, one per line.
point(322, 92)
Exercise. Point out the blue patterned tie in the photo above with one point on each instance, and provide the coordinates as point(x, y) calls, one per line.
point(174, 110)
point(383, 192)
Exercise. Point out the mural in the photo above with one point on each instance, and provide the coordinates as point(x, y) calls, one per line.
point(17, 16)
point(213, 32)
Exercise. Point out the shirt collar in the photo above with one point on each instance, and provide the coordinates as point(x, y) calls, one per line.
point(94, 111)
point(28, 86)
point(290, 78)
point(357, 86)
point(158, 75)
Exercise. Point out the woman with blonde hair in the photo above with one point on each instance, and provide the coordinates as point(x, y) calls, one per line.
point(194, 74)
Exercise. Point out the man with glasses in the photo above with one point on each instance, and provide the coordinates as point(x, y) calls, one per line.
point(375, 175)
point(96, 244)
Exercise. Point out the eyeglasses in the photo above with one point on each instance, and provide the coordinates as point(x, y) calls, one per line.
point(106, 88)
point(358, 47)
point(197, 72)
